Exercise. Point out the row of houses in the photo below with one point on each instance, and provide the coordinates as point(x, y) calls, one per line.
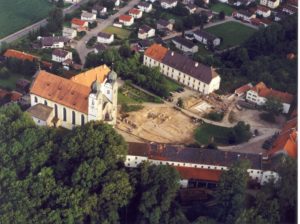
point(195, 75)
point(202, 166)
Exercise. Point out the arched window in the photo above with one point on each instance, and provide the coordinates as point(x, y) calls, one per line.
point(55, 110)
point(35, 99)
point(45, 102)
point(82, 119)
point(73, 117)
point(64, 114)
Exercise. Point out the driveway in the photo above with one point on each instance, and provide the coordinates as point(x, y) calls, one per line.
point(81, 46)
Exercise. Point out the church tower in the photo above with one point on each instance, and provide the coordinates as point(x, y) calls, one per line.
point(95, 102)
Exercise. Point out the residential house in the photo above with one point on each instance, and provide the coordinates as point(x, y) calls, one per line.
point(135, 13)
point(191, 8)
point(126, 20)
point(194, 75)
point(197, 167)
point(41, 114)
point(143, 45)
point(89, 96)
point(263, 11)
point(273, 4)
point(286, 141)
point(59, 55)
point(243, 15)
point(117, 24)
point(260, 93)
point(206, 38)
point(69, 33)
point(144, 6)
point(185, 45)
point(146, 32)
point(88, 17)
point(105, 38)
point(53, 41)
point(168, 4)
point(116, 2)
point(100, 48)
point(99, 10)
point(164, 24)
point(79, 24)
point(243, 89)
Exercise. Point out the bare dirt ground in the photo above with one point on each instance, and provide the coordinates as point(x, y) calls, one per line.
point(158, 123)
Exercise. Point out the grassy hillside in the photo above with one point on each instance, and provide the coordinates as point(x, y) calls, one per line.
point(17, 14)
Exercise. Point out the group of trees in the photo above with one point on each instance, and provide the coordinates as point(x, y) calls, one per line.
point(25, 67)
point(239, 133)
point(55, 20)
point(128, 66)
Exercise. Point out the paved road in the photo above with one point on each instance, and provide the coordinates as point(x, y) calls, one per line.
point(81, 45)
point(37, 25)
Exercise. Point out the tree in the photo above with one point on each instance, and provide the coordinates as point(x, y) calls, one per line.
point(125, 50)
point(60, 3)
point(55, 20)
point(231, 191)
point(222, 15)
point(180, 102)
point(273, 106)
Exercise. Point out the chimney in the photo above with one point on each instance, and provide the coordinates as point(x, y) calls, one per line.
point(172, 53)
point(196, 64)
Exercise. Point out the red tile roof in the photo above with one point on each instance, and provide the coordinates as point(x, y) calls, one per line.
point(263, 8)
point(156, 51)
point(78, 22)
point(263, 91)
point(243, 88)
point(15, 96)
point(199, 174)
point(126, 18)
point(134, 11)
point(10, 53)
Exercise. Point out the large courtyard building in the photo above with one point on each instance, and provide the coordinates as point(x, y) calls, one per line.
point(195, 75)
point(85, 97)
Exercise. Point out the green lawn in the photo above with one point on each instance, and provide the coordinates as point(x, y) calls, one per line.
point(123, 99)
point(17, 14)
point(10, 82)
point(172, 85)
point(232, 33)
point(218, 7)
point(121, 33)
point(208, 132)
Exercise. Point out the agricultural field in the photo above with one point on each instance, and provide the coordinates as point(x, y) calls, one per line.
point(232, 33)
point(218, 7)
point(119, 32)
point(17, 14)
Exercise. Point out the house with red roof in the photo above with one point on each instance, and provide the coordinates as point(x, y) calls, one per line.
point(79, 24)
point(135, 13)
point(260, 93)
point(263, 11)
point(126, 20)
point(243, 89)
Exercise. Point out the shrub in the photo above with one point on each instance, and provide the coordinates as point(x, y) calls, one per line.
point(214, 116)
point(129, 108)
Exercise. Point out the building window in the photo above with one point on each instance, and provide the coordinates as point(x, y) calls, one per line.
point(64, 114)
point(82, 119)
point(45, 102)
point(136, 157)
point(73, 117)
point(35, 99)
point(55, 110)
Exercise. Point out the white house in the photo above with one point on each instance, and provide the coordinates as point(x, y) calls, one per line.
point(164, 24)
point(206, 38)
point(263, 11)
point(87, 16)
point(105, 38)
point(88, 96)
point(117, 2)
point(202, 166)
point(60, 55)
point(79, 24)
point(99, 10)
point(135, 13)
point(69, 33)
point(41, 114)
point(168, 4)
point(260, 93)
point(146, 32)
point(53, 42)
point(185, 45)
point(126, 20)
point(244, 15)
point(144, 6)
point(273, 4)
point(194, 75)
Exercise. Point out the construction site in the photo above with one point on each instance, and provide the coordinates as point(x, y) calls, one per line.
point(158, 123)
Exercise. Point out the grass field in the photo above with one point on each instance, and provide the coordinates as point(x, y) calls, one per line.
point(232, 33)
point(10, 82)
point(17, 14)
point(208, 132)
point(218, 7)
point(172, 85)
point(121, 33)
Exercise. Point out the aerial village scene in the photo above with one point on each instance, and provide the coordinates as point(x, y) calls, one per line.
point(148, 111)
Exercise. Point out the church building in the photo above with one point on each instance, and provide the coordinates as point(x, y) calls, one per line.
point(88, 96)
